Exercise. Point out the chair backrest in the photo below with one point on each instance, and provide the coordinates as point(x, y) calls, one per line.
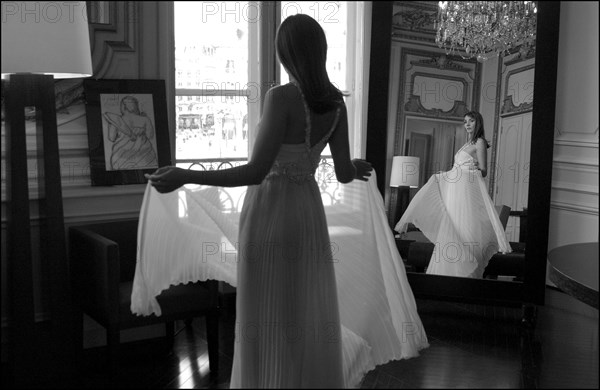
point(124, 233)
point(503, 213)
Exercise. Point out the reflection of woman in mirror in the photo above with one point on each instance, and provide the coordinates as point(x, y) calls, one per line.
point(130, 134)
point(454, 211)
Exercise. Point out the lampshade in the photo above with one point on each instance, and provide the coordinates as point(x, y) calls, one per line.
point(405, 172)
point(46, 37)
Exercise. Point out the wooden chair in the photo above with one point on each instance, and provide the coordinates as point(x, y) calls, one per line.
point(103, 260)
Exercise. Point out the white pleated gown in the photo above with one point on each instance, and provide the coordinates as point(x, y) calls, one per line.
point(455, 212)
point(322, 294)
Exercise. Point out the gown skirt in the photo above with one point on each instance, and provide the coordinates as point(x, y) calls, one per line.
point(454, 211)
point(322, 294)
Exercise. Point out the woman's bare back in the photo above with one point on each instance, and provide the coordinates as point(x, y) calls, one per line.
point(295, 129)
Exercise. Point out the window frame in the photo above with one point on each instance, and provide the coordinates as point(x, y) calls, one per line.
point(268, 75)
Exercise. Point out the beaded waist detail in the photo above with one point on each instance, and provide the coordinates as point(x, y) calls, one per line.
point(294, 172)
point(466, 165)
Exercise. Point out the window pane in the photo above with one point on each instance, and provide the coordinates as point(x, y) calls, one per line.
point(211, 57)
point(211, 44)
point(332, 16)
point(212, 127)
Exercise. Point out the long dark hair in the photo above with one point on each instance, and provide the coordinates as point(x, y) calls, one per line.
point(479, 130)
point(302, 49)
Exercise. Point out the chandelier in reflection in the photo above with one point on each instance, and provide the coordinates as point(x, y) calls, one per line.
point(484, 29)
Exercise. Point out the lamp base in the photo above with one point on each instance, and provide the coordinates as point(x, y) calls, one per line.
point(402, 203)
point(46, 347)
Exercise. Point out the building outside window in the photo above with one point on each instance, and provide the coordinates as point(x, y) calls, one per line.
point(217, 63)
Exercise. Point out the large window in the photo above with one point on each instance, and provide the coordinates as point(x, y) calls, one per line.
point(347, 27)
point(218, 62)
point(332, 16)
point(213, 92)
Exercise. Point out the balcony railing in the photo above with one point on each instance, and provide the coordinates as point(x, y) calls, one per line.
point(232, 198)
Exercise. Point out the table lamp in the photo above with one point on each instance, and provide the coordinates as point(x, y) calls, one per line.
point(41, 41)
point(405, 175)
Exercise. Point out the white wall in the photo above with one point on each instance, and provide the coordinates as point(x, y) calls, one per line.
point(574, 198)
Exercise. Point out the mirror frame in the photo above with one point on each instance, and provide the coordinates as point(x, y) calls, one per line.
point(494, 292)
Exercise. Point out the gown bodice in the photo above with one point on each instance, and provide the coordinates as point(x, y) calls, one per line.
point(464, 160)
point(298, 162)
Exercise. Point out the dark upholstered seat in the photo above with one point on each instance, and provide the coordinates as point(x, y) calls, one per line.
point(103, 260)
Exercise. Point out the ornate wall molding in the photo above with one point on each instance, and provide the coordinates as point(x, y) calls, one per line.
point(564, 198)
point(509, 108)
point(573, 208)
point(458, 110)
point(575, 180)
point(508, 102)
point(116, 42)
point(579, 138)
point(441, 61)
point(523, 54)
point(441, 91)
point(511, 66)
point(414, 21)
point(434, 65)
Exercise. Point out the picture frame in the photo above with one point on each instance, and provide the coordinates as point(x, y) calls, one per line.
point(128, 132)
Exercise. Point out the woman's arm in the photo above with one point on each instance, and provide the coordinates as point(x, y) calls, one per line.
point(346, 170)
point(270, 137)
point(481, 146)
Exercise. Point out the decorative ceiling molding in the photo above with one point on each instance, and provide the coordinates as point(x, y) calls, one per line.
point(441, 62)
point(414, 21)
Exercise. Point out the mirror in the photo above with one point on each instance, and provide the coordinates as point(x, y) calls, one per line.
point(435, 90)
point(501, 91)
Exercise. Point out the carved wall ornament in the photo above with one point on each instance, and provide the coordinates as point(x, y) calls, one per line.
point(523, 93)
point(114, 44)
point(508, 107)
point(522, 54)
point(414, 21)
point(458, 110)
point(441, 62)
point(432, 84)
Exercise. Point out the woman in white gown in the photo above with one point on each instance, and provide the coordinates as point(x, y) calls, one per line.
point(455, 212)
point(304, 317)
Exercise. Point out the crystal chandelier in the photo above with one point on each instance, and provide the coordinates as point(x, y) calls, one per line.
point(484, 29)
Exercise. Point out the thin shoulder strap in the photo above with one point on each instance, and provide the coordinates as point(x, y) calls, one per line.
point(334, 126)
point(307, 128)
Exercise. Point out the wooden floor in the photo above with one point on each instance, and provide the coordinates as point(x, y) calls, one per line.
point(472, 346)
